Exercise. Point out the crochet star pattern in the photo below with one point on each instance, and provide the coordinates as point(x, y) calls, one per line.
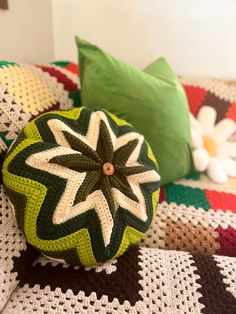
point(101, 185)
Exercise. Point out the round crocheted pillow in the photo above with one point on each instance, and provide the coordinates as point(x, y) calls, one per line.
point(83, 183)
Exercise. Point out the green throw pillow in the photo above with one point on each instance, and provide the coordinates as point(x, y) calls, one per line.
point(153, 102)
point(84, 185)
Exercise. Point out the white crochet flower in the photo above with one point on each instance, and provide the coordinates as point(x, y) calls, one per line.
point(212, 152)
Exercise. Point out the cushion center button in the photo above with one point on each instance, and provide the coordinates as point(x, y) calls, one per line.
point(108, 169)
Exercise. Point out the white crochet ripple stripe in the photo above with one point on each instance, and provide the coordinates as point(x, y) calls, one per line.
point(206, 183)
point(3, 146)
point(218, 87)
point(65, 209)
point(73, 77)
point(172, 272)
point(28, 89)
point(12, 243)
point(155, 236)
point(12, 117)
point(228, 270)
point(61, 95)
point(108, 267)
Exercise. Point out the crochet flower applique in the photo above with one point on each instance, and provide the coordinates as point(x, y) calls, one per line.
point(214, 151)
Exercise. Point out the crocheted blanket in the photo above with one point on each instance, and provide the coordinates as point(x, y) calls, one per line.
point(194, 215)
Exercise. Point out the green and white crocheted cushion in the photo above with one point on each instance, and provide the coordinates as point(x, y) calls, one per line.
point(84, 185)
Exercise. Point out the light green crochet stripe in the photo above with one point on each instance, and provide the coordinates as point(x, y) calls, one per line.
point(131, 235)
point(72, 114)
point(121, 122)
point(155, 195)
point(31, 130)
point(118, 121)
point(35, 193)
point(151, 155)
point(155, 199)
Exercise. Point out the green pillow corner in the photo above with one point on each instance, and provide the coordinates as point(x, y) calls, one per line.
point(153, 101)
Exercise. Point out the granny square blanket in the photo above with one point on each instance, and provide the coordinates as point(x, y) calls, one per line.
point(185, 264)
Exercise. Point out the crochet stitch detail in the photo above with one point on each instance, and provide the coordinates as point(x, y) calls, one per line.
point(65, 204)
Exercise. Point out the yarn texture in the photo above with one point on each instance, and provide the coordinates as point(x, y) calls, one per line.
point(84, 185)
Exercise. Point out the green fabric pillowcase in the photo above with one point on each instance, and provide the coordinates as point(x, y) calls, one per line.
point(153, 102)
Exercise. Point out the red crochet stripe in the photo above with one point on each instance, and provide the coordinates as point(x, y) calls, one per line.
point(61, 78)
point(162, 196)
point(221, 200)
point(227, 240)
point(195, 96)
point(231, 112)
point(73, 68)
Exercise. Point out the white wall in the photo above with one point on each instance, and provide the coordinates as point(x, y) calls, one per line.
point(26, 31)
point(197, 37)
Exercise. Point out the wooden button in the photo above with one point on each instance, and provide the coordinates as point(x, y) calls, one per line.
point(108, 169)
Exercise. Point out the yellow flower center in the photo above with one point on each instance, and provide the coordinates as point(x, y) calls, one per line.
point(210, 145)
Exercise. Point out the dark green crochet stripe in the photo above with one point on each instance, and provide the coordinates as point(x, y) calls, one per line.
point(18, 140)
point(3, 154)
point(188, 196)
point(193, 176)
point(6, 63)
point(105, 154)
point(80, 125)
point(75, 96)
point(61, 64)
point(121, 183)
point(6, 141)
point(45, 227)
point(56, 188)
point(19, 201)
point(81, 147)
point(104, 144)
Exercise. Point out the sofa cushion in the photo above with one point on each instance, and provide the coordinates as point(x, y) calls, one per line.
point(84, 185)
point(155, 104)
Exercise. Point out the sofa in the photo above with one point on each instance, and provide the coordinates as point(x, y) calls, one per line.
point(186, 263)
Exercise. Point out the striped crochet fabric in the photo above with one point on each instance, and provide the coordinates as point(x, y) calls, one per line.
point(221, 95)
point(194, 215)
point(143, 280)
point(84, 185)
point(25, 92)
point(28, 90)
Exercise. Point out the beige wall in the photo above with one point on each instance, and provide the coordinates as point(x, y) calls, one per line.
point(26, 33)
point(197, 37)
